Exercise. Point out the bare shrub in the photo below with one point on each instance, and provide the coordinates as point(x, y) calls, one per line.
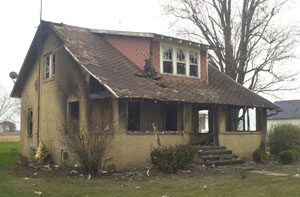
point(89, 142)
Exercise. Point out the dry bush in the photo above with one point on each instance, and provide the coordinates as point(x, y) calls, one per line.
point(89, 142)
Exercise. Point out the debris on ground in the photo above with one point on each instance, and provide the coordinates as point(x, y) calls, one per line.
point(38, 192)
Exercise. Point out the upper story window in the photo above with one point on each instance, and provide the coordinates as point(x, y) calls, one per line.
point(167, 60)
point(49, 68)
point(180, 61)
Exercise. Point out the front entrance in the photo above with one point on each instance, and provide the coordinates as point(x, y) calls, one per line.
point(205, 132)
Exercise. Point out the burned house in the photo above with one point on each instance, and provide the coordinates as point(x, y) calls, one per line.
point(134, 80)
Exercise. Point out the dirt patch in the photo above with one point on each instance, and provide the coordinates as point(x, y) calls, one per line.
point(193, 170)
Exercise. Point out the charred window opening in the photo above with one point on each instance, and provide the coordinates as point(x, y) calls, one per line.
point(171, 117)
point(241, 119)
point(30, 124)
point(95, 86)
point(73, 125)
point(74, 110)
point(134, 111)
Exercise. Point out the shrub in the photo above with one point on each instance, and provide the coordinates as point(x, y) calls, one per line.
point(284, 137)
point(260, 156)
point(172, 159)
point(287, 156)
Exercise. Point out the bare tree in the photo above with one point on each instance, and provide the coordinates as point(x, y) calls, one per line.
point(9, 107)
point(247, 45)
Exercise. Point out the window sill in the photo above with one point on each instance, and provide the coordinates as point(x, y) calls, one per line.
point(152, 133)
point(179, 75)
point(48, 80)
point(242, 133)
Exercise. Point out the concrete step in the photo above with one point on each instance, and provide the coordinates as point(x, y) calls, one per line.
point(205, 148)
point(214, 152)
point(219, 157)
point(225, 162)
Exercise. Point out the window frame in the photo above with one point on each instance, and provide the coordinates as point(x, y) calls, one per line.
point(50, 66)
point(187, 51)
point(29, 122)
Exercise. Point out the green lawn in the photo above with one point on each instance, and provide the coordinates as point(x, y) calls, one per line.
point(233, 184)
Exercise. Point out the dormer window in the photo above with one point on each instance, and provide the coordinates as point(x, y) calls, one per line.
point(180, 61)
point(168, 60)
point(194, 64)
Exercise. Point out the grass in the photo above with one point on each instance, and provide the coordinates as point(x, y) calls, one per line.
point(233, 184)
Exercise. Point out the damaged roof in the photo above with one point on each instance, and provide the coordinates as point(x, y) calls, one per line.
point(122, 77)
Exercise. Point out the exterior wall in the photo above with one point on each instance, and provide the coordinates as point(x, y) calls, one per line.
point(242, 143)
point(134, 48)
point(272, 123)
point(69, 84)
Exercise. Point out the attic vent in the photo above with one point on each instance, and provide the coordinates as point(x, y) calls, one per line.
point(64, 155)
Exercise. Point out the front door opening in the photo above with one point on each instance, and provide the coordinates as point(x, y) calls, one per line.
point(203, 121)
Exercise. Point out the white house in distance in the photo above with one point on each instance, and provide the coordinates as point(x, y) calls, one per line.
point(290, 114)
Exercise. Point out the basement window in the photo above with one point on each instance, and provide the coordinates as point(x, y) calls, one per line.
point(241, 119)
point(30, 122)
point(171, 117)
point(134, 111)
point(64, 155)
point(49, 68)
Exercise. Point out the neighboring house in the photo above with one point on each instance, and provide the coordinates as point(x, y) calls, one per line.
point(148, 78)
point(289, 114)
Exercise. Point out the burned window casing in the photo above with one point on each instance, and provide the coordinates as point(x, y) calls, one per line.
point(73, 117)
point(74, 110)
point(95, 86)
point(30, 122)
point(241, 119)
point(171, 117)
point(134, 114)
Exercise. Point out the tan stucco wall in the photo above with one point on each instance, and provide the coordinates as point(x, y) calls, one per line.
point(67, 85)
point(242, 143)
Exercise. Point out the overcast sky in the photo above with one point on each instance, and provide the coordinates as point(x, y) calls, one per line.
point(20, 18)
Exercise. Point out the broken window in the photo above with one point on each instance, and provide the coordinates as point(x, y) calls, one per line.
point(29, 122)
point(134, 116)
point(74, 110)
point(203, 121)
point(167, 60)
point(49, 68)
point(241, 119)
point(171, 117)
point(95, 86)
point(181, 62)
point(194, 64)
